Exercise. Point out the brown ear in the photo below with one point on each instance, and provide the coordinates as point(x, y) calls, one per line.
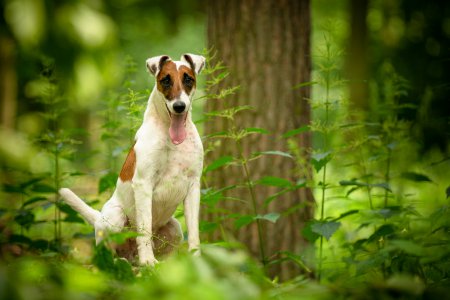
point(197, 62)
point(154, 64)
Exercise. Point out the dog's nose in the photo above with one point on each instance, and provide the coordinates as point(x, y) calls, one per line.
point(179, 106)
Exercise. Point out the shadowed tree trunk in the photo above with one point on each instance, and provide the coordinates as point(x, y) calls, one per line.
point(266, 47)
point(8, 83)
point(357, 63)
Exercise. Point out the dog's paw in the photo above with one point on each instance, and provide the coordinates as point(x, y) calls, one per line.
point(148, 261)
point(195, 252)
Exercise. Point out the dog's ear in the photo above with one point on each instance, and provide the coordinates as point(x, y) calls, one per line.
point(154, 64)
point(197, 62)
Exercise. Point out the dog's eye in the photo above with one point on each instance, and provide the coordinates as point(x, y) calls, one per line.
point(165, 82)
point(188, 80)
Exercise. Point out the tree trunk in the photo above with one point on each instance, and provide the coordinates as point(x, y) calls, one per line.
point(266, 47)
point(8, 83)
point(357, 56)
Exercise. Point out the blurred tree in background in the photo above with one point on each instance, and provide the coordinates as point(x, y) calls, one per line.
point(266, 46)
point(414, 38)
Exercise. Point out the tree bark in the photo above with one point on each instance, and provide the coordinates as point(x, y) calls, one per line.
point(266, 46)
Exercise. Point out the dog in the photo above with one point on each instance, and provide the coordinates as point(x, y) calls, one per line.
point(162, 169)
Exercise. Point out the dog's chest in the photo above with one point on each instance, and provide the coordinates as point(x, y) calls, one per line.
point(176, 172)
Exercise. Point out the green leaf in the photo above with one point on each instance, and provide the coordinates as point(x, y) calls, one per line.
point(30, 182)
point(206, 226)
point(293, 132)
point(243, 221)
point(279, 153)
point(211, 196)
point(103, 258)
point(383, 231)
point(24, 218)
point(74, 218)
point(325, 228)
point(256, 130)
point(358, 184)
point(348, 213)
point(43, 188)
point(275, 181)
point(303, 84)
point(33, 200)
point(389, 211)
point(123, 271)
point(121, 237)
point(308, 233)
point(220, 162)
point(417, 177)
point(319, 160)
point(271, 217)
point(409, 247)
point(108, 181)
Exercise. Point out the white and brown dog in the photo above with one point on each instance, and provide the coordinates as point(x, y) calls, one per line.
point(162, 169)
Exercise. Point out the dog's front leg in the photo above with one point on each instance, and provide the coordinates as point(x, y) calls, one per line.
point(143, 190)
point(191, 211)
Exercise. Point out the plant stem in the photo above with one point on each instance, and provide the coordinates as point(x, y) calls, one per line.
point(56, 182)
point(254, 204)
point(324, 175)
point(368, 181)
point(387, 177)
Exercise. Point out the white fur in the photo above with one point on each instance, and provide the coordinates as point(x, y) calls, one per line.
point(165, 175)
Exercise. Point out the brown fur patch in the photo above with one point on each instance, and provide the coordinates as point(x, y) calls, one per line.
point(127, 172)
point(171, 82)
point(190, 74)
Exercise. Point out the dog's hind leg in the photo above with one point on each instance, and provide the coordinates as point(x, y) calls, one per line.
point(167, 237)
point(112, 220)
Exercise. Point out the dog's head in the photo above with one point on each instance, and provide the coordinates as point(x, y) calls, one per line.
point(176, 82)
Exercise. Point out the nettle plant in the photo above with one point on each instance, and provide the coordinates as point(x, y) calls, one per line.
point(385, 234)
point(38, 191)
point(234, 134)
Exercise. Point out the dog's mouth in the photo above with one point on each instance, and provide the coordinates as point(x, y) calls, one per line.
point(177, 129)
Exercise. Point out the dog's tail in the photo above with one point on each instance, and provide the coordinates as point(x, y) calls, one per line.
point(90, 214)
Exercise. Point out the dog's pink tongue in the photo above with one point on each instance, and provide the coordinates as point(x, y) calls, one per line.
point(177, 130)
